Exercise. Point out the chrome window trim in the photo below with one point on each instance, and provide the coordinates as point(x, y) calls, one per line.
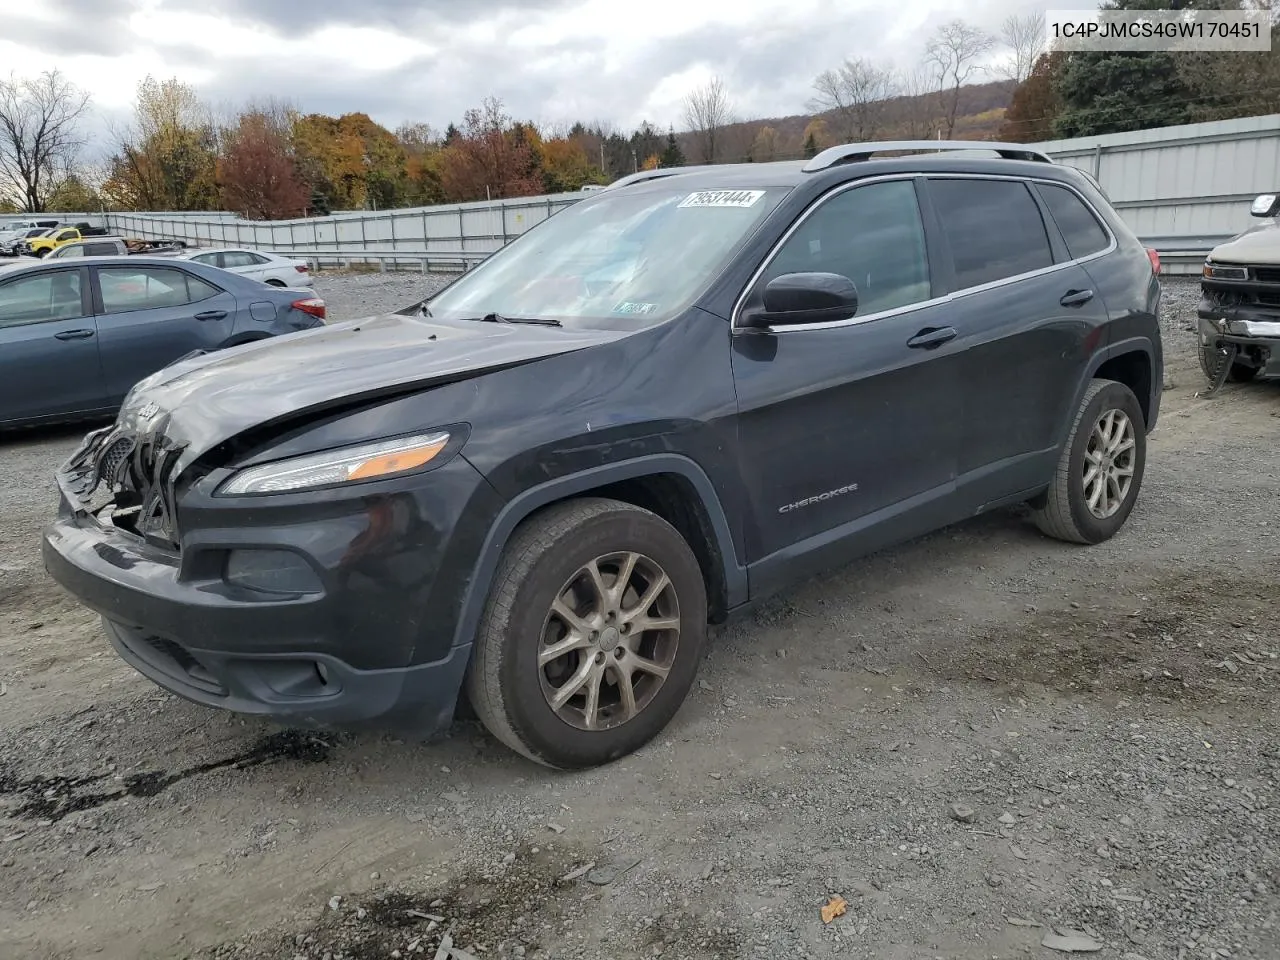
point(855, 320)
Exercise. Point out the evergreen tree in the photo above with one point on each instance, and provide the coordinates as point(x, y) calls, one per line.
point(451, 134)
point(672, 156)
point(1112, 92)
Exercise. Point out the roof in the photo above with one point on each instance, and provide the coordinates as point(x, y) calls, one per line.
point(32, 265)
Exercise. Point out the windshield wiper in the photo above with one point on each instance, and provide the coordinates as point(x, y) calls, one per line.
point(499, 318)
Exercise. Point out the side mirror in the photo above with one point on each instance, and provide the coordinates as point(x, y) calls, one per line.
point(1266, 205)
point(802, 298)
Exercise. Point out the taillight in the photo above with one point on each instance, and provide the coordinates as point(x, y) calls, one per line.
point(1154, 257)
point(300, 267)
point(311, 305)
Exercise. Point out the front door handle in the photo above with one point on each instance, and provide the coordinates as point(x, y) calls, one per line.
point(74, 335)
point(931, 338)
point(1076, 298)
point(211, 315)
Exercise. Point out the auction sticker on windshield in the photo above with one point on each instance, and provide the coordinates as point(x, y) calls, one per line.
point(722, 198)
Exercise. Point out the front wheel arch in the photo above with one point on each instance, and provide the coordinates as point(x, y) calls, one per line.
point(592, 483)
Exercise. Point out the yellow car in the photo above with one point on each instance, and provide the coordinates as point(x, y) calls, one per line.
point(39, 246)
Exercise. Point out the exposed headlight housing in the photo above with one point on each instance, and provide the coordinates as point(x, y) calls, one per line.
point(368, 461)
point(1222, 271)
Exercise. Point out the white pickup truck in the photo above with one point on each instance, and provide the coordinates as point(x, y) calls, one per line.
point(1239, 327)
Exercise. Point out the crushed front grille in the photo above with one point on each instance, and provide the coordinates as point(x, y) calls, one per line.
point(127, 482)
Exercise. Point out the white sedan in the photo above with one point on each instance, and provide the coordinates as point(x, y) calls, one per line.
point(268, 267)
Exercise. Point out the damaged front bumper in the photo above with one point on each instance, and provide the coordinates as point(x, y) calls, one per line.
point(1243, 314)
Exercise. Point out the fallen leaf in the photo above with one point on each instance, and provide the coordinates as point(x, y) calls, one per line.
point(835, 907)
point(582, 871)
point(1070, 941)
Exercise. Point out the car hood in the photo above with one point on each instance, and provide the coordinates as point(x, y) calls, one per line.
point(201, 401)
point(1259, 244)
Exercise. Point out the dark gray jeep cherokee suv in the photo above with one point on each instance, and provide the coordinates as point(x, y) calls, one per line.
point(666, 402)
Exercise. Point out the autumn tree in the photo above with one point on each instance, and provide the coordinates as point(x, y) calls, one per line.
point(854, 94)
point(707, 111)
point(815, 138)
point(257, 172)
point(40, 136)
point(331, 159)
point(489, 159)
point(565, 166)
point(955, 53)
point(766, 146)
point(1035, 103)
point(74, 193)
point(166, 159)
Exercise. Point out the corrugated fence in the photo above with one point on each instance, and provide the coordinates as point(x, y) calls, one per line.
point(1182, 189)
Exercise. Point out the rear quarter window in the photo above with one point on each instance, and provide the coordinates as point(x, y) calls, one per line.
point(1080, 228)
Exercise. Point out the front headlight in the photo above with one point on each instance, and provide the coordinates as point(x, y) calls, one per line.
point(1218, 271)
point(369, 461)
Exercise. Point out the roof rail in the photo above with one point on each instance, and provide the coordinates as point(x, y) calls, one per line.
point(644, 175)
point(857, 152)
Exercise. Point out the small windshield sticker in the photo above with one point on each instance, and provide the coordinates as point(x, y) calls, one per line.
point(723, 198)
point(634, 309)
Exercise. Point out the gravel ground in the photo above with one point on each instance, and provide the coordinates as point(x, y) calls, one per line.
point(983, 741)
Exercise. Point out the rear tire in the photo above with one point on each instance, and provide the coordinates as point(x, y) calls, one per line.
point(1100, 468)
point(558, 640)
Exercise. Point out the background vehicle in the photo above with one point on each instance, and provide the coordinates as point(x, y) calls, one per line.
point(96, 247)
point(11, 243)
point(43, 245)
point(1239, 310)
point(112, 247)
point(663, 404)
point(75, 336)
point(268, 267)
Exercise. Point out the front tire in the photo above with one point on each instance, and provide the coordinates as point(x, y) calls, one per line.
point(1239, 372)
point(592, 634)
point(1100, 468)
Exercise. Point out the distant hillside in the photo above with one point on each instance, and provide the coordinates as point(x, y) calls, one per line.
point(978, 117)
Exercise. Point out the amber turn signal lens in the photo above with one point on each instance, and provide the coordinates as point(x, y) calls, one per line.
point(396, 462)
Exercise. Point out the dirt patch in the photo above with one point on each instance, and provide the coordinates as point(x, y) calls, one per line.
point(1200, 637)
point(51, 798)
point(512, 908)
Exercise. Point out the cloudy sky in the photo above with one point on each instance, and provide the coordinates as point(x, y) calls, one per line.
point(428, 60)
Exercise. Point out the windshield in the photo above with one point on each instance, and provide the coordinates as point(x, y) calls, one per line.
point(618, 261)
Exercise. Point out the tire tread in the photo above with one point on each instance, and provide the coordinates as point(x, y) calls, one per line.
point(1054, 518)
point(527, 545)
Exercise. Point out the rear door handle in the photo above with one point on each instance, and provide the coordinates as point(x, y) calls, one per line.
point(1076, 298)
point(74, 335)
point(932, 337)
point(211, 315)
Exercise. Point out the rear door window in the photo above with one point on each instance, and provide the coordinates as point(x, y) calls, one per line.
point(142, 288)
point(1083, 234)
point(993, 227)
